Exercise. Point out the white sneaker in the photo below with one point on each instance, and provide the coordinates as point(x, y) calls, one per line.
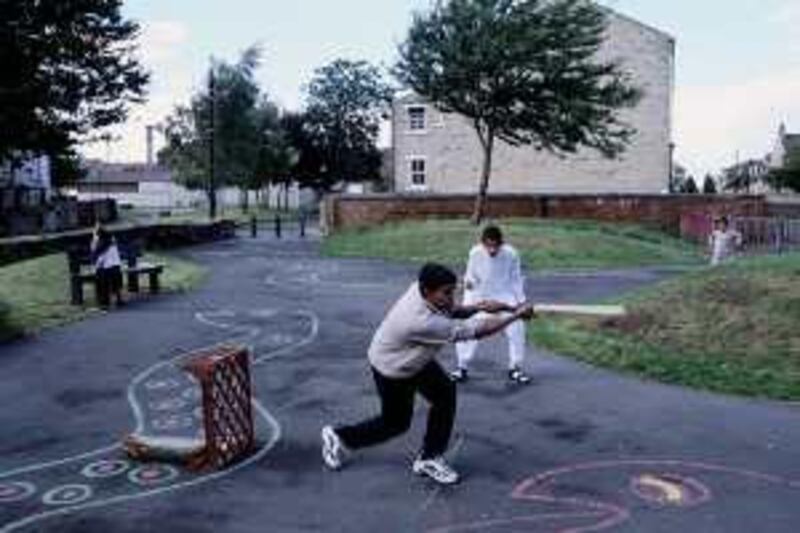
point(436, 469)
point(515, 375)
point(459, 375)
point(333, 449)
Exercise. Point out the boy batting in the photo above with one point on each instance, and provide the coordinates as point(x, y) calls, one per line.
point(402, 357)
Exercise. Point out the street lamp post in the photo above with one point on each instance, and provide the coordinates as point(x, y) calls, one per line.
point(212, 190)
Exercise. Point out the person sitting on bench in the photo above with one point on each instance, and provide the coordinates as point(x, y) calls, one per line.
point(108, 267)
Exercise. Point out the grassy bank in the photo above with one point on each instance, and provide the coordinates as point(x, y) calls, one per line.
point(734, 329)
point(34, 294)
point(542, 244)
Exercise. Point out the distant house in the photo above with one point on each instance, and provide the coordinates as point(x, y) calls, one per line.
point(746, 177)
point(440, 153)
point(749, 176)
point(134, 184)
point(151, 186)
point(25, 185)
point(785, 144)
point(32, 173)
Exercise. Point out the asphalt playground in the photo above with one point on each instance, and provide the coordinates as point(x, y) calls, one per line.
point(580, 450)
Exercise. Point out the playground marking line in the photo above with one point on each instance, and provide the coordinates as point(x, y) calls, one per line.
point(249, 333)
point(539, 489)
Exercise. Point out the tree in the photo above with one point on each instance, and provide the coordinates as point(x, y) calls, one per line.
point(66, 169)
point(709, 185)
point(188, 147)
point(678, 178)
point(222, 137)
point(788, 176)
point(68, 67)
point(338, 132)
point(308, 167)
point(276, 155)
point(690, 186)
point(523, 71)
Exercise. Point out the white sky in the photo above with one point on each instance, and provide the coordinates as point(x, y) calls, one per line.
point(737, 63)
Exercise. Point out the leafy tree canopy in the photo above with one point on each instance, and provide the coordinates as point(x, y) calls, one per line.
point(523, 71)
point(68, 68)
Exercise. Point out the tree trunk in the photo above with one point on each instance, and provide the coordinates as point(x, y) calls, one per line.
point(211, 194)
point(480, 201)
point(245, 200)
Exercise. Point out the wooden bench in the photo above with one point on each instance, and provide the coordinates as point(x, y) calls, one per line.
point(81, 270)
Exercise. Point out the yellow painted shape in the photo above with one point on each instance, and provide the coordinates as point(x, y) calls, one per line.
point(672, 491)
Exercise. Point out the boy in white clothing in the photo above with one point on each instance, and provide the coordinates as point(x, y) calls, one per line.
point(108, 267)
point(723, 241)
point(494, 273)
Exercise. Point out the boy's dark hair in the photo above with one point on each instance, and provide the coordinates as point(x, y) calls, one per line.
point(104, 241)
point(432, 276)
point(492, 233)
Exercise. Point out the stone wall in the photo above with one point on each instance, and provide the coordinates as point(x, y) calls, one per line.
point(449, 149)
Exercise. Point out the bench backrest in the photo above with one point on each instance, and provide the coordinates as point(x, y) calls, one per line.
point(80, 254)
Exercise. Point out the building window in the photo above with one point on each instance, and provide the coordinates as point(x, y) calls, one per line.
point(416, 118)
point(418, 178)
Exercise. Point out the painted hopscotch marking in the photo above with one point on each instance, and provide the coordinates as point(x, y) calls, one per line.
point(105, 469)
point(16, 491)
point(671, 490)
point(173, 422)
point(654, 481)
point(171, 404)
point(155, 474)
point(73, 498)
point(67, 495)
point(319, 275)
point(162, 384)
point(192, 395)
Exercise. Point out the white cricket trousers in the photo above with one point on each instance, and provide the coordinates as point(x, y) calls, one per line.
point(514, 332)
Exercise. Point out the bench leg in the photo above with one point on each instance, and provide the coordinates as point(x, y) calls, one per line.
point(102, 290)
point(155, 285)
point(133, 282)
point(76, 291)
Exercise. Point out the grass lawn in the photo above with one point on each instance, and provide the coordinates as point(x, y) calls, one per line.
point(34, 294)
point(543, 244)
point(734, 329)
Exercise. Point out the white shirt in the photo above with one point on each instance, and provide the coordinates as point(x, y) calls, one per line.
point(724, 244)
point(412, 334)
point(495, 278)
point(108, 259)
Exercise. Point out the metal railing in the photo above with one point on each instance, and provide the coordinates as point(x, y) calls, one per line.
point(768, 235)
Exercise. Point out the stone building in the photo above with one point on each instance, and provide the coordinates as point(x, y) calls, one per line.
point(440, 153)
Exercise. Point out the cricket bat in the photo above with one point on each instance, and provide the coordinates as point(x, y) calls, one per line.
point(586, 310)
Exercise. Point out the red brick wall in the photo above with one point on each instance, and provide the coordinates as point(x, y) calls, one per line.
point(664, 211)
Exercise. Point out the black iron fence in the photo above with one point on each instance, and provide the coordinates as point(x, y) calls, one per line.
point(768, 235)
